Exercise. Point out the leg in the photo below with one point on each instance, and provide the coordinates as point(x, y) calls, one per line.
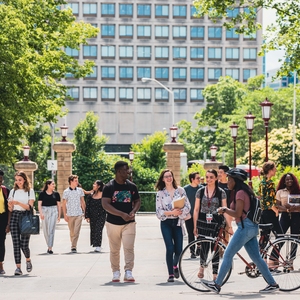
point(15, 236)
point(71, 225)
point(128, 238)
point(3, 224)
point(178, 241)
point(114, 238)
point(189, 224)
point(77, 227)
point(25, 245)
point(51, 223)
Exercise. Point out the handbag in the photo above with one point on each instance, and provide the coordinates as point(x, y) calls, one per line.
point(29, 223)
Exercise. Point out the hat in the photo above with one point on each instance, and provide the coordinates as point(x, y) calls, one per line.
point(225, 168)
point(238, 174)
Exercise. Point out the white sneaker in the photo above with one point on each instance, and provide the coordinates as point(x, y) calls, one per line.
point(116, 276)
point(128, 276)
point(97, 249)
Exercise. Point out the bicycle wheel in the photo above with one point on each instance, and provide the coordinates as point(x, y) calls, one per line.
point(284, 254)
point(209, 258)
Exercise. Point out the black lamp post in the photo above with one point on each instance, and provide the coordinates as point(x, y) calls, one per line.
point(64, 133)
point(173, 133)
point(266, 114)
point(26, 153)
point(213, 152)
point(131, 158)
point(234, 129)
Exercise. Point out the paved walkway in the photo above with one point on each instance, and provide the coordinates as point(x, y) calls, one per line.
point(87, 275)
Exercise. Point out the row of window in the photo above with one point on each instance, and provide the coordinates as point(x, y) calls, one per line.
point(163, 53)
point(162, 73)
point(127, 94)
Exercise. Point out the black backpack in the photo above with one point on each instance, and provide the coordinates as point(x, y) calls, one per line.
point(254, 212)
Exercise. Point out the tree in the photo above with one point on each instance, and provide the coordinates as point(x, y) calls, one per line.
point(33, 35)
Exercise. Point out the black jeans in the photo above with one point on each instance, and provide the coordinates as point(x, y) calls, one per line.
point(3, 224)
point(189, 224)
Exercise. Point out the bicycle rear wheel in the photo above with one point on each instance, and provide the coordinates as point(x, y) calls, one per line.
point(284, 257)
point(209, 258)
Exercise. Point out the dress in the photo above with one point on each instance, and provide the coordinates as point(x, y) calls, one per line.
point(97, 215)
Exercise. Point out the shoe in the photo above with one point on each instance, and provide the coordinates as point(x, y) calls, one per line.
point(193, 255)
point(49, 251)
point(171, 278)
point(270, 289)
point(274, 271)
point(128, 276)
point(116, 276)
point(211, 285)
point(28, 266)
point(97, 249)
point(73, 250)
point(2, 272)
point(18, 271)
point(176, 272)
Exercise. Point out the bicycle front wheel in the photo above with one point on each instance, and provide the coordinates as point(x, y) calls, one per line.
point(283, 256)
point(206, 264)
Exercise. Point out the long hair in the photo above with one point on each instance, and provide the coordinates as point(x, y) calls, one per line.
point(241, 185)
point(27, 184)
point(100, 185)
point(295, 188)
point(47, 183)
point(215, 173)
point(267, 167)
point(160, 185)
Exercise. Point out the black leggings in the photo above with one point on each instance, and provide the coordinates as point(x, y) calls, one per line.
point(3, 224)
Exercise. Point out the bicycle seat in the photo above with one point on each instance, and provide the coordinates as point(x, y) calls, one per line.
point(265, 226)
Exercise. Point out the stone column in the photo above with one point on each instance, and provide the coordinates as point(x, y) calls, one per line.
point(28, 167)
point(210, 164)
point(173, 151)
point(64, 152)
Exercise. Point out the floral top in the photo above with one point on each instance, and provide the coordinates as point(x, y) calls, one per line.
point(267, 193)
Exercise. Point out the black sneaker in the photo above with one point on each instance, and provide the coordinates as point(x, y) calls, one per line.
point(193, 255)
point(18, 271)
point(73, 250)
point(176, 272)
point(270, 289)
point(274, 271)
point(28, 266)
point(171, 278)
point(211, 285)
point(49, 251)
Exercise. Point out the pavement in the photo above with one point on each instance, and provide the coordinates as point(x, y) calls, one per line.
point(87, 275)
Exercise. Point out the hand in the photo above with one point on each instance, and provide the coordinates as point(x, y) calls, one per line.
point(176, 212)
point(42, 216)
point(221, 210)
point(127, 217)
point(195, 232)
point(230, 230)
point(88, 220)
point(7, 229)
point(58, 219)
point(66, 218)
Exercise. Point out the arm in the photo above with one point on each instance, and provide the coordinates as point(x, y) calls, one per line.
point(195, 215)
point(187, 206)
point(40, 209)
point(82, 203)
point(237, 213)
point(106, 203)
point(136, 207)
point(228, 218)
point(58, 210)
point(64, 208)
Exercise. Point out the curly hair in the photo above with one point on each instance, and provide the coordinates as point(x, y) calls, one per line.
point(295, 188)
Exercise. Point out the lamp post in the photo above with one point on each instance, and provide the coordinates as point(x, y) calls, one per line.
point(266, 114)
point(250, 125)
point(213, 152)
point(173, 133)
point(131, 158)
point(64, 133)
point(26, 153)
point(234, 128)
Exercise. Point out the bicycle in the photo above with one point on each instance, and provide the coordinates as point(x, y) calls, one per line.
point(281, 254)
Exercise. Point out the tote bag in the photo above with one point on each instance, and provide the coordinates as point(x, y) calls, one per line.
point(29, 223)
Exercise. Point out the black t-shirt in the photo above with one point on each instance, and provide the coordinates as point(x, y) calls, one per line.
point(227, 191)
point(49, 200)
point(122, 198)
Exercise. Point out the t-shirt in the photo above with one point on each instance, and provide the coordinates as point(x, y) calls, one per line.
point(122, 197)
point(241, 195)
point(49, 200)
point(282, 196)
point(227, 191)
point(191, 194)
point(21, 196)
point(73, 198)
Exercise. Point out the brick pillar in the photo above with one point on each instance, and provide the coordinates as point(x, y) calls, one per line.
point(212, 165)
point(28, 167)
point(64, 152)
point(173, 151)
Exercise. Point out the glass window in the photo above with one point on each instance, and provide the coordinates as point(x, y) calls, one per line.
point(144, 94)
point(234, 73)
point(162, 11)
point(72, 52)
point(162, 73)
point(197, 74)
point(125, 10)
point(197, 32)
point(250, 53)
point(179, 32)
point(90, 93)
point(143, 72)
point(90, 9)
point(215, 33)
point(90, 51)
point(247, 73)
point(144, 52)
point(232, 13)
point(179, 11)
point(197, 53)
point(107, 30)
point(196, 95)
point(108, 9)
point(214, 53)
point(126, 94)
point(72, 93)
point(231, 34)
point(144, 31)
point(126, 73)
point(194, 12)
point(144, 10)
point(251, 36)
point(161, 31)
point(69, 75)
point(108, 52)
point(93, 75)
point(179, 74)
point(161, 95)
point(161, 52)
point(126, 51)
point(232, 53)
point(179, 52)
point(108, 73)
point(108, 94)
point(179, 94)
point(214, 73)
point(126, 31)
point(74, 7)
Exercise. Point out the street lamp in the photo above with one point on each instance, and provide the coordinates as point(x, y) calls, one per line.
point(213, 152)
point(173, 133)
point(234, 129)
point(26, 153)
point(131, 157)
point(64, 133)
point(266, 114)
point(250, 125)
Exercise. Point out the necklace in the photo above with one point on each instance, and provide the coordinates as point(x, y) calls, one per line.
point(211, 197)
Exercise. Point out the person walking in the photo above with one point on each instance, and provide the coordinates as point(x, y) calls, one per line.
point(20, 199)
point(245, 235)
point(73, 209)
point(50, 209)
point(95, 215)
point(172, 218)
point(121, 200)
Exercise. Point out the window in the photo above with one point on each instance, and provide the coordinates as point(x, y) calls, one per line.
point(144, 52)
point(197, 74)
point(126, 94)
point(90, 93)
point(108, 9)
point(197, 32)
point(108, 73)
point(143, 72)
point(179, 11)
point(161, 53)
point(214, 33)
point(93, 75)
point(143, 31)
point(251, 36)
point(126, 73)
point(162, 11)
point(214, 74)
point(74, 7)
point(232, 13)
point(247, 73)
point(108, 94)
point(196, 95)
point(90, 9)
point(231, 34)
point(179, 32)
point(161, 95)
point(162, 73)
point(214, 53)
point(144, 94)
point(108, 52)
point(72, 52)
point(179, 74)
point(194, 12)
point(144, 10)
point(126, 52)
point(125, 10)
point(107, 31)
point(250, 54)
point(69, 76)
point(179, 53)
point(197, 53)
point(232, 53)
point(90, 51)
point(126, 31)
point(179, 94)
point(162, 32)
point(234, 73)
point(72, 93)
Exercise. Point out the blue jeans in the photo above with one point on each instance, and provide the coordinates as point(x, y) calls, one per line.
point(173, 238)
point(246, 237)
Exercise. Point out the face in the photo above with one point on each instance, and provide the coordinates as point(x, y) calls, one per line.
point(51, 186)
point(230, 183)
point(196, 179)
point(74, 182)
point(221, 174)
point(288, 180)
point(95, 186)
point(19, 180)
point(272, 172)
point(124, 172)
point(210, 178)
point(168, 178)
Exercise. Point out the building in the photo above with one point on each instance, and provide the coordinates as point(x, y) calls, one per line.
point(281, 82)
point(157, 39)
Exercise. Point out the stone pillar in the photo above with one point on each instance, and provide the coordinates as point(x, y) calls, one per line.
point(28, 167)
point(173, 151)
point(210, 164)
point(64, 152)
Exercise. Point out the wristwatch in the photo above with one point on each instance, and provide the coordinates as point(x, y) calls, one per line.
point(224, 209)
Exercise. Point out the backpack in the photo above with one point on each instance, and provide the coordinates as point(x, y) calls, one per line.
point(254, 212)
point(5, 191)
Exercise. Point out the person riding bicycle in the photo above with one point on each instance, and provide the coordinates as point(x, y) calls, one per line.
point(244, 235)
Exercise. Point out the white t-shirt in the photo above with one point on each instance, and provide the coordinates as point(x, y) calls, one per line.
point(21, 196)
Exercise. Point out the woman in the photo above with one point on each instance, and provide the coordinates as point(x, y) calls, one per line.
point(96, 215)
point(208, 200)
point(20, 199)
point(172, 218)
point(245, 235)
point(50, 210)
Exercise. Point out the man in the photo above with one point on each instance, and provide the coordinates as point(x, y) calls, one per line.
point(121, 200)
point(73, 208)
point(191, 190)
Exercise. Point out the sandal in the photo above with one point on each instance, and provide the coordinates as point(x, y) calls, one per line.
point(201, 272)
